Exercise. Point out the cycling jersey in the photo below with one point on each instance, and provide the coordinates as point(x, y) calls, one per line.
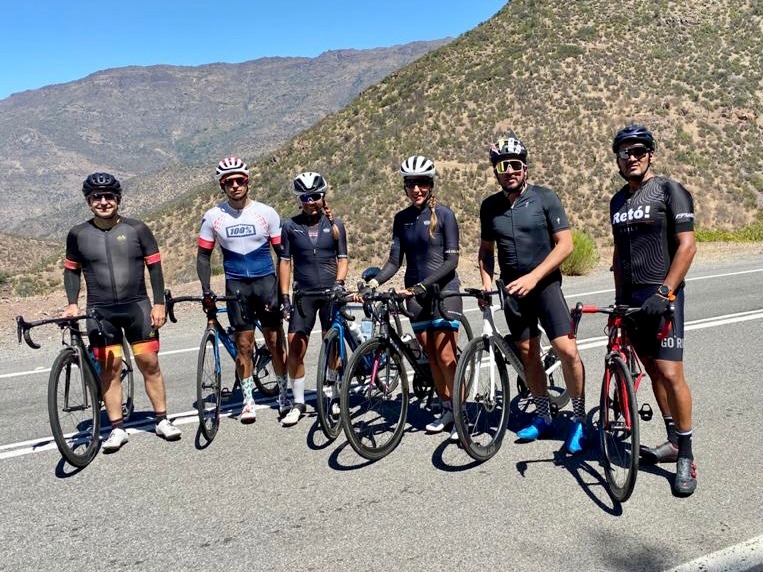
point(112, 260)
point(244, 236)
point(428, 260)
point(314, 251)
point(524, 232)
point(644, 225)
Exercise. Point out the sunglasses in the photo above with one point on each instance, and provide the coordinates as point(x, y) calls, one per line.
point(513, 164)
point(636, 152)
point(420, 183)
point(239, 181)
point(108, 197)
point(311, 197)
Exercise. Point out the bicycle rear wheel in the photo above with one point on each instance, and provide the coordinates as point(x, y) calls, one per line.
point(481, 397)
point(264, 378)
point(208, 387)
point(327, 392)
point(128, 382)
point(619, 429)
point(374, 399)
point(74, 409)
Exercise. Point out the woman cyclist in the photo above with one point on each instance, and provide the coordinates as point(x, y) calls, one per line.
point(426, 234)
point(316, 243)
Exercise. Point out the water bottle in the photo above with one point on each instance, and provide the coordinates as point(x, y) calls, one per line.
point(366, 328)
point(357, 335)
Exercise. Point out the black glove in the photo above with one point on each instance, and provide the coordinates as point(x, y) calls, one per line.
point(338, 288)
point(208, 299)
point(655, 305)
point(286, 308)
point(418, 289)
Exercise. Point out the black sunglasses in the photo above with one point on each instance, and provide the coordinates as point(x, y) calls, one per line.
point(421, 183)
point(311, 197)
point(108, 197)
point(636, 152)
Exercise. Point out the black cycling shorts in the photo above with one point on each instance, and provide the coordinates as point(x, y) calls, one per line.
point(259, 300)
point(425, 317)
point(642, 329)
point(306, 307)
point(545, 305)
point(132, 317)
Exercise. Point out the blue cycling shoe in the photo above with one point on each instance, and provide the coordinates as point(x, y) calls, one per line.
point(540, 427)
point(576, 439)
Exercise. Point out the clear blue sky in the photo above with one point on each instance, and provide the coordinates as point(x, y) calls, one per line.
point(48, 41)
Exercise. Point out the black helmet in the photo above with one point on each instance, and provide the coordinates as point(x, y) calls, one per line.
point(101, 182)
point(636, 133)
point(509, 147)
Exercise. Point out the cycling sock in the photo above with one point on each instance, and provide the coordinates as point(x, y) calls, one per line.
point(298, 389)
point(578, 407)
point(670, 427)
point(542, 407)
point(119, 423)
point(684, 444)
point(160, 415)
point(247, 387)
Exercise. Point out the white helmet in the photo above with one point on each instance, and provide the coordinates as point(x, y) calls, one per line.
point(417, 166)
point(309, 182)
point(230, 166)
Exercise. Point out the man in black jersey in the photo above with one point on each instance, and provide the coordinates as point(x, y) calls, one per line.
point(652, 221)
point(530, 227)
point(112, 251)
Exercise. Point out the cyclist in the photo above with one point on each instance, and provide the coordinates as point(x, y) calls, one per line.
point(426, 234)
point(246, 230)
point(653, 227)
point(530, 227)
point(112, 250)
point(315, 243)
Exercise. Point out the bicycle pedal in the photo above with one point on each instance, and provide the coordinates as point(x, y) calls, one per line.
point(225, 393)
point(645, 412)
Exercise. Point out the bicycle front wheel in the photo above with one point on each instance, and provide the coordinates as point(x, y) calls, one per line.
point(374, 399)
point(481, 397)
point(327, 391)
point(74, 409)
point(619, 429)
point(208, 386)
point(128, 382)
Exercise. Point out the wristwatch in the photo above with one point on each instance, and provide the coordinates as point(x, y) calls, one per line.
point(664, 291)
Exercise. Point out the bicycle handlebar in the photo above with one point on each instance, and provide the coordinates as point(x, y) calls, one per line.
point(211, 311)
point(617, 311)
point(330, 294)
point(23, 328)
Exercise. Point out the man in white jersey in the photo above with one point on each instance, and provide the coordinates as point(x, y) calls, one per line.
point(246, 229)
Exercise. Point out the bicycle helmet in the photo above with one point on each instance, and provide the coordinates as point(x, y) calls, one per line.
point(230, 166)
point(417, 166)
point(101, 182)
point(634, 133)
point(309, 182)
point(509, 147)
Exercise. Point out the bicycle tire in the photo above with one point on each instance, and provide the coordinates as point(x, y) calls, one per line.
point(74, 409)
point(374, 399)
point(619, 429)
point(327, 394)
point(481, 409)
point(128, 382)
point(208, 385)
point(264, 378)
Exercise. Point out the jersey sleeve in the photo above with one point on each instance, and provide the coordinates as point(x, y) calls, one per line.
point(207, 232)
point(73, 258)
point(148, 245)
point(274, 226)
point(555, 216)
point(680, 206)
point(285, 246)
point(486, 222)
point(450, 231)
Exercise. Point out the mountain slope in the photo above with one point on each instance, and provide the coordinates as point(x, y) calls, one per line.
point(565, 76)
point(137, 120)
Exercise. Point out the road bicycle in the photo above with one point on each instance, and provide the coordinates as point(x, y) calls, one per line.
point(340, 340)
point(75, 396)
point(619, 414)
point(210, 392)
point(481, 400)
point(374, 395)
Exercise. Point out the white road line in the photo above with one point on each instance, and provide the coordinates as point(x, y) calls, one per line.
point(747, 555)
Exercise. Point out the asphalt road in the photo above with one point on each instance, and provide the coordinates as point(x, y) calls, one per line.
point(271, 498)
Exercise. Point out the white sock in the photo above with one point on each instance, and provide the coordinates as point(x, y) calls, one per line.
point(298, 389)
